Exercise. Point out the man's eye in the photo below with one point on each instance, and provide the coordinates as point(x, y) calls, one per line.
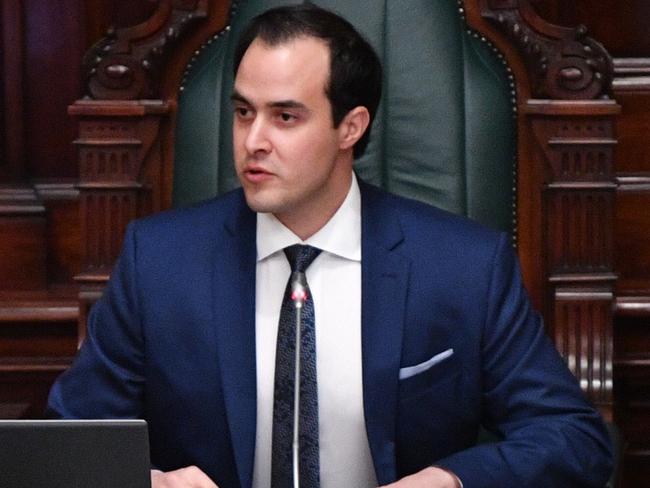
point(287, 117)
point(242, 111)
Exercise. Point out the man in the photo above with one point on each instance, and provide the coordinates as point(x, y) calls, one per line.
point(423, 330)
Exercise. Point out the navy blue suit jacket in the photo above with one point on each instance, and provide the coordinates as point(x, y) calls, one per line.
point(173, 341)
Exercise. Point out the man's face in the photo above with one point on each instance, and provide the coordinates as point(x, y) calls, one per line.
point(287, 151)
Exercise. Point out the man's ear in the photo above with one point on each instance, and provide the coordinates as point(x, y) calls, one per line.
point(353, 126)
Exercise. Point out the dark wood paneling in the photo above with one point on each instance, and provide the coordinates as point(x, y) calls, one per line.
point(63, 231)
point(22, 248)
point(24, 241)
point(3, 159)
point(23, 392)
point(632, 237)
point(100, 15)
point(633, 240)
point(633, 154)
point(622, 26)
point(28, 339)
point(632, 390)
point(41, 48)
point(12, 165)
point(54, 45)
point(633, 340)
point(38, 337)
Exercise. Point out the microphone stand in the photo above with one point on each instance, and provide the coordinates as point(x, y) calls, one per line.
point(298, 295)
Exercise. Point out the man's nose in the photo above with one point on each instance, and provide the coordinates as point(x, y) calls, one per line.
point(257, 139)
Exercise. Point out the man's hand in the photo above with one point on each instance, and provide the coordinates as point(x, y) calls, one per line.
point(431, 477)
point(190, 477)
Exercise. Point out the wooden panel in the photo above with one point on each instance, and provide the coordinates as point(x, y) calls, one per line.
point(2, 99)
point(22, 247)
point(633, 337)
point(581, 239)
point(13, 161)
point(574, 143)
point(23, 394)
point(37, 339)
point(63, 231)
point(632, 233)
point(622, 26)
point(637, 468)
point(633, 152)
point(112, 211)
point(583, 335)
point(3, 159)
point(632, 390)
point(100, 15)
point(632, 250)
point(54, 44)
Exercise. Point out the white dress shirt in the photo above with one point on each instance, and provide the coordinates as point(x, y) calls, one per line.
point(334, 279)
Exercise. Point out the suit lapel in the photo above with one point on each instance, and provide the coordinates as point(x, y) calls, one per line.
point(234, 317)
point(384, 281)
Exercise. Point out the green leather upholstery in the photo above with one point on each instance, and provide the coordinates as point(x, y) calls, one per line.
point(445, 131)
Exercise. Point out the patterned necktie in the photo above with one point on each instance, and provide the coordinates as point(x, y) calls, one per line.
point(300, 257)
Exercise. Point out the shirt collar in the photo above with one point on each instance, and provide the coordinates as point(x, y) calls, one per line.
point(341, 235)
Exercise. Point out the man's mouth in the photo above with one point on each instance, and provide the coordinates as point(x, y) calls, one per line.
point(256, 174)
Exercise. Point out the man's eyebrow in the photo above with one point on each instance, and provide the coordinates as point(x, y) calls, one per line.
point(288, 104)
point(238, 97)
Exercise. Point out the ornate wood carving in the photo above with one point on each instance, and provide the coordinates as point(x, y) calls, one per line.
point(117, 140)
point(126, 64)
point(575, 145)
point(583, 335)
point(125, 143)
point(121, 178)
point(563, 63)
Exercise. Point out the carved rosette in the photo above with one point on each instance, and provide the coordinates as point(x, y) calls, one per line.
point(563, 63)
point(126, 64)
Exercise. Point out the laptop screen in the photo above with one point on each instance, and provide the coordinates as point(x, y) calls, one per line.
point(74, 454)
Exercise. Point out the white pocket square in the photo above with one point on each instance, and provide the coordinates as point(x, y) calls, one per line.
point(422, 367)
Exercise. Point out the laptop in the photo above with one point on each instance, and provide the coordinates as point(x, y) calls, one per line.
point(74, 454)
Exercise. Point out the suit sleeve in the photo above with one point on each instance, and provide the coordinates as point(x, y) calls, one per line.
point(106, 378)
point(551, 436)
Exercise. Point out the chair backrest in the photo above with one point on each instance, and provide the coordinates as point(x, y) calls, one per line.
point(444, 132)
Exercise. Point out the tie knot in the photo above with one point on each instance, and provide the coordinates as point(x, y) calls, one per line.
point(300, 256)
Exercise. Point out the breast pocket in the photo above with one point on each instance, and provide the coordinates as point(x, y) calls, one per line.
point(441, 369)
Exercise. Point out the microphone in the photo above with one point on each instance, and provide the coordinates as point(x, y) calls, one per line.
point(298, 289)
point(298, 296)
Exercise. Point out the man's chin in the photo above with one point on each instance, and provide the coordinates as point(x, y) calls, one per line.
point(263, 205)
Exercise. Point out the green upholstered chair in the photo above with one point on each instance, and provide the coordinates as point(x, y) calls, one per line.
point(444, 132)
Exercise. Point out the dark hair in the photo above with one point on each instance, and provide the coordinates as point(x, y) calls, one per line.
point(355, 70)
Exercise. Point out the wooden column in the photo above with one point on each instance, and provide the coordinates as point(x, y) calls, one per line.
point(120, 169)
point(575, 141)
point(125, 143)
